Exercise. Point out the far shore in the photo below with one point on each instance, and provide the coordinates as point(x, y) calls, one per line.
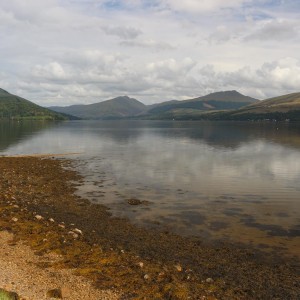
point(40, 211)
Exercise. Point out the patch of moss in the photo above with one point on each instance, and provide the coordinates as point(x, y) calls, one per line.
point(5, 295)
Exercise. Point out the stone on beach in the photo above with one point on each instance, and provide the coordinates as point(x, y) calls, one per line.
point(38, 217)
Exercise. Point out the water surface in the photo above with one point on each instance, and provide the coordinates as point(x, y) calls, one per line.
point(217, 180)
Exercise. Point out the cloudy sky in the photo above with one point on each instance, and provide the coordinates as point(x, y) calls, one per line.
point(61, 52)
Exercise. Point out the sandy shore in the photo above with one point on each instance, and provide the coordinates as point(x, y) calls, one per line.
point(20, 272)
point(38, 206)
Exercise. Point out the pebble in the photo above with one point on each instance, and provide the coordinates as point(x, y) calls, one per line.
point(178, 268)
point(146, 277)
point(38, 217)
point(209, 280)
point(51, 220)
point(74, 235)
point(141, 264)
point(77, 231)
point(14, 219)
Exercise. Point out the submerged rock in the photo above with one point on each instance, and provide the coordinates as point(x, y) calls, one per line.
point(134, 201)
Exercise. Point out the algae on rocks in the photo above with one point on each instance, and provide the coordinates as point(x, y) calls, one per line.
point(5, 295)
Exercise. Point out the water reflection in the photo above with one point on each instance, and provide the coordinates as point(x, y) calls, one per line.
point(219, 180)
point(229, 135)
point(15, 132)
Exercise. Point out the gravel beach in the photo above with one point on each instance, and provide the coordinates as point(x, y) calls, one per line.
point(49, 235)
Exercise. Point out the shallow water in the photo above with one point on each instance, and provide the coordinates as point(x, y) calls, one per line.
point(218, 180)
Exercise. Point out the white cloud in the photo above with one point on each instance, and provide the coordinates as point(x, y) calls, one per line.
point(196, 6)
point(51, 71)
point(170, 68)
point(82, 51)
point(270, 79)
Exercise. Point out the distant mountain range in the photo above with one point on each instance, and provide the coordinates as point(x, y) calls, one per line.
point(124, 107)
point(226, 105)
point(15, 107)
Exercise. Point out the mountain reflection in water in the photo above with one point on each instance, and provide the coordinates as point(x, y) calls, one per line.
point(219, 180)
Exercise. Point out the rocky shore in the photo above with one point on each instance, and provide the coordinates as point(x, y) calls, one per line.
point(122, 261)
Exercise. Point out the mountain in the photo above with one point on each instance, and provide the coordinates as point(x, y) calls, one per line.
point(216, 101)
point(279, 108)
point(124, 107)
point(15, 107)
point(119, 107)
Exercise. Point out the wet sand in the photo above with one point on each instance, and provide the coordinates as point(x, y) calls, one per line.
point(38, 205)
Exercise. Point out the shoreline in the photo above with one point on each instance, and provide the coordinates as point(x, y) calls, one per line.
point(116, 255)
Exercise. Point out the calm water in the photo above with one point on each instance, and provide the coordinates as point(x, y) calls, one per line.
point(218, 180)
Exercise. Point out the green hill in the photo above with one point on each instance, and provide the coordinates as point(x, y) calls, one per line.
point(227, 100)
point(116, 108)
point(15, 107)
point(279, 108)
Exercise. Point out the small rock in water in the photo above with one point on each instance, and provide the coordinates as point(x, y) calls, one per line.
point(14, 219)
point(62, 226)
point(141, 264)
point(209, 280)
point(146, 277)
point(55, 293)
point(134, 201)
point(51, 220)
point(38, 217)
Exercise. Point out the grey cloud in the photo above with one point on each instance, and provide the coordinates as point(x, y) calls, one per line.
point(220, 35)
point(151, 44)
point(126, 33)
point(275, 30)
